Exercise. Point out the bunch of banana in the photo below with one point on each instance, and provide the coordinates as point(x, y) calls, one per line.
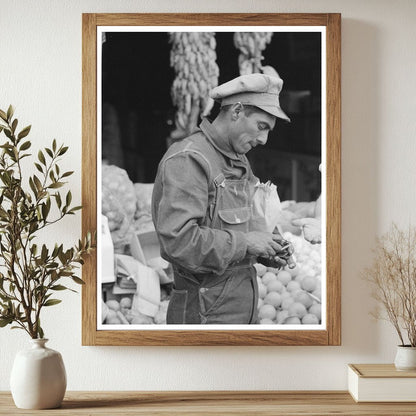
point(251, 46)
point(193, 58)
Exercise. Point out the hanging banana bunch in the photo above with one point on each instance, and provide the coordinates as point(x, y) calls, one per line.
point(193, 58)
point(251, 46)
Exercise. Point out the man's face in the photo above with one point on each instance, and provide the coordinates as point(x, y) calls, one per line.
point(251, 130)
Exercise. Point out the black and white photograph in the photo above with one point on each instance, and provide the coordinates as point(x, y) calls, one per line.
point(211, 167)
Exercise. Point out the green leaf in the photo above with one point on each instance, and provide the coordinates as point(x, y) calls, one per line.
point(58, 199)
point(10, 112)
point(24, 132)
point(34, 249)
point(41, 157)
point(6, 145)
point(55, 251)
point(68, 199)
point(67, 174)
point(40, 332)
point(44, 253)
point(51, 302)
point(37, 183)
point(3, 115)
point(78, 280)
point(45, 211)
point(63, 150)
point(34, 226)
point(56, 185)
point(25, 145)
point(8, 133)
point(33, 187)
point(5, 321)
point(77, 208)
point(39, 167)
point(61, 256)
point(5, 178)
point(59, 287)
point(14, 125)
point(54, 145)
point(42, 194)
point(49, 152)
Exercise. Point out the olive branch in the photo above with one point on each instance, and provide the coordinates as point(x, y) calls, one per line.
point(31, 274)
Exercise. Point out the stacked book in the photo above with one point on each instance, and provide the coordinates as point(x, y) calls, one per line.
point(381, 383)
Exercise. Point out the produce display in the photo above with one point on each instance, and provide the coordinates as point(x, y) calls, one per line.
point(251, 46)
point(193, 58)
point(143, 214)
point(116, 312)
point(292, 296)
point(118, 202)
point(286, 296)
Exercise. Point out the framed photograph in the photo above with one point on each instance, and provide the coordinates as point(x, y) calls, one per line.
point(175, 137)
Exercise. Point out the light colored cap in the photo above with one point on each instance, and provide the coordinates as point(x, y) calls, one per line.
point(259, 90)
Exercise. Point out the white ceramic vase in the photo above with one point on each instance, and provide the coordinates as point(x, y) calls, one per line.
point(38, 377)
point(405, 358)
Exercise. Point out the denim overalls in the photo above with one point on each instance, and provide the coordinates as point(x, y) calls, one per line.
point(208, 297)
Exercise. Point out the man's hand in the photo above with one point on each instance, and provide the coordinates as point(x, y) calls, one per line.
point(275, 262)
point(311, 228)
point(261, 244)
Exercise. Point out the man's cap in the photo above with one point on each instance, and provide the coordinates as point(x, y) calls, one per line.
point(259, 90)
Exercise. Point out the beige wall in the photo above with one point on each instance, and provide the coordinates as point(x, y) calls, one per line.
point(40, 73)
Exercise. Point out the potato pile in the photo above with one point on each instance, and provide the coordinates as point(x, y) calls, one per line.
point(292, 296)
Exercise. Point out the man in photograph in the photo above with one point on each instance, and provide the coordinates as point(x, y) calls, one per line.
point(201, 207)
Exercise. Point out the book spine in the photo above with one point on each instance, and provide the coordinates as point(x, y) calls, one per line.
point(353, 381)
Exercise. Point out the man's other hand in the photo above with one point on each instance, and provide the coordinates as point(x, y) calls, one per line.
point(261, 244)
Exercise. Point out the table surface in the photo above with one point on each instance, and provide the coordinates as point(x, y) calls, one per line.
point(221, 403)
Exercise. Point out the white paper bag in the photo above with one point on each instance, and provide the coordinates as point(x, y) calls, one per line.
point(266, 207)
point(146, 300)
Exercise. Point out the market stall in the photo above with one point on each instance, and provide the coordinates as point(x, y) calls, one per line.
point(136, 282)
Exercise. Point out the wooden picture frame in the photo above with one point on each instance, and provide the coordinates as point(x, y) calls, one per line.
point(331, 334)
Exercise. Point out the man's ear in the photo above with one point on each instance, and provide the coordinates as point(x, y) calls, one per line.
point(236, 110)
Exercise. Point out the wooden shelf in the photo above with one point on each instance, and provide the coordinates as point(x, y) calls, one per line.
point(221, 403)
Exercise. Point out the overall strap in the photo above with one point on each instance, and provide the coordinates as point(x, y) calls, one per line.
point(219, 180)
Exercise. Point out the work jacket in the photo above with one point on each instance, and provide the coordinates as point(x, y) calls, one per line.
point(201, 208)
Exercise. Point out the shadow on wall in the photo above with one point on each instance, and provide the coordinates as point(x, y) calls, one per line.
point(360, 180)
